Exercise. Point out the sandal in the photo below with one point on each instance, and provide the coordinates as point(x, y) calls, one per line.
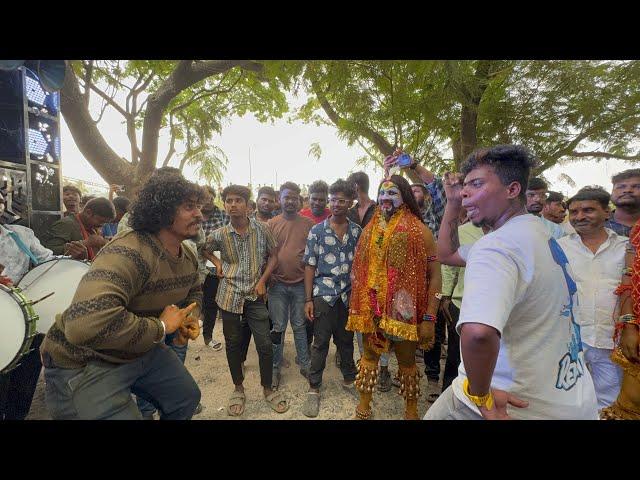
point(311, 406)
point(275, 399)
point(215, 345)
point(236, 399)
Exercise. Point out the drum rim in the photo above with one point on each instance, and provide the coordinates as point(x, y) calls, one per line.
point(30, 328)
point(55, 258)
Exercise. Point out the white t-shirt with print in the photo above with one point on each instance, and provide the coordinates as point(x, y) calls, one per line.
point(515, 283)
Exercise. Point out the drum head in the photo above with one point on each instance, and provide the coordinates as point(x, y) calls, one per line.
point(13, 327)
point(61, 276)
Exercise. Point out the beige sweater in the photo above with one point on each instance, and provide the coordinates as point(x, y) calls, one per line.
point(114, 314)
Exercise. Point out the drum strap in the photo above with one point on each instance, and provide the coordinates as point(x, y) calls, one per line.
point(22, 246)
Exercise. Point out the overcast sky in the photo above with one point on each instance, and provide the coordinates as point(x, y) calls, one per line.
point(280, 152)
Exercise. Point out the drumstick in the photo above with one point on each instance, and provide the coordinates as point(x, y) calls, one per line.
point(43, 298)
point(53, 264)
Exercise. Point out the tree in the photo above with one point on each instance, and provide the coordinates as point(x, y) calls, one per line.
point(190, 99)
point(440, 111)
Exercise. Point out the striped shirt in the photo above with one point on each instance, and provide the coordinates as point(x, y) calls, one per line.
point(243, 259)
point(114, 316)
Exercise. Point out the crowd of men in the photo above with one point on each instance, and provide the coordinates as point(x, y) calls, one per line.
point(485, 262)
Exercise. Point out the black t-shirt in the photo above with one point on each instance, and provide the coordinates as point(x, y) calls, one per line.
point(352, 214)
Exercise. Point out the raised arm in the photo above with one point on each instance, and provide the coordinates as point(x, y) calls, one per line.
point(448, 240)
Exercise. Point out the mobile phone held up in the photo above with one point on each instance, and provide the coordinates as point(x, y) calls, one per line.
point(404, 160)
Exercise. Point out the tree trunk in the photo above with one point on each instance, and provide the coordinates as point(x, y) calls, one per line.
point(469, 114)
point(111, 167)
point(468, 130)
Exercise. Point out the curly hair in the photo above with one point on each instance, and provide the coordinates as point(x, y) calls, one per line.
point(157, 202)
point(319, 186)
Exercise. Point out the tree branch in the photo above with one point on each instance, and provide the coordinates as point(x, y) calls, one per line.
point(374, 137)
point(109, 100)
point(88, 74)
point(185, 74)
point(606, 155)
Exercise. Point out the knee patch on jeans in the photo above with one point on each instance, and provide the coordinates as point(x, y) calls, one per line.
point(276, 337)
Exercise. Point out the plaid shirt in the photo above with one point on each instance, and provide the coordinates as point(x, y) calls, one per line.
point(217, 219)
point(619, 228)
point(243, 258)
point(433, 214)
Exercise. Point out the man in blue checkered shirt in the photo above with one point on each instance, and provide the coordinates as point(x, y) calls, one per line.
point(432, 215)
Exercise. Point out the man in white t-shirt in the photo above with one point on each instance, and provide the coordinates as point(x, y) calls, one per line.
point(520, 343)
point(596, 255)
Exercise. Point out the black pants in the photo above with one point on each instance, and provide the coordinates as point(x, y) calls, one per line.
point(237, 328)
point(330, 321)
point(209, 306)
point(453, 348)
point(246, 340)
point(18, 386)
point(432, 357)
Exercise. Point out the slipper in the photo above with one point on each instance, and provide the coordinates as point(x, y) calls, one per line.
point(274, 399)
point(311, 406)
point(215, 345)
point(236, 399)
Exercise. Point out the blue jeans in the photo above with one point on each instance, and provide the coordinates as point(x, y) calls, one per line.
point(286, 301)
point(147, 408)
point(101, 391)
point(384, 358)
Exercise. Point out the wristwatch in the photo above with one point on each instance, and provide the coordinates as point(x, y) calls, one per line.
point(483, 401)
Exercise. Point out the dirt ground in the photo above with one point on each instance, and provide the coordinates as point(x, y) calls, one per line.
point(210, 371)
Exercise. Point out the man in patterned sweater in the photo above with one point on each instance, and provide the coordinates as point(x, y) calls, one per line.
point(109, 342)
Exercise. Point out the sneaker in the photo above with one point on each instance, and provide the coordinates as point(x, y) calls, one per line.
point(305, 373)
point(199, 409)
point(395, 381)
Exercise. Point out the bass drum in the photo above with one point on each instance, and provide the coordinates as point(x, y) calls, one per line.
point(17, 328)
point(60, 276)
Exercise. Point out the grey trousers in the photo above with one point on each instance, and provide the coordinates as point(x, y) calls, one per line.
point(103, 392)
point(448, 407)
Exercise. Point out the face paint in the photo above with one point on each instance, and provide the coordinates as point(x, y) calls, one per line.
point(389, 197)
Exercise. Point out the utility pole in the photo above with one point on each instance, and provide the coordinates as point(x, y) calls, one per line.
point(250, 176)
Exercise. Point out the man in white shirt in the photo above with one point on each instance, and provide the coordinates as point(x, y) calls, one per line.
point(596, 255)
point(520, 343)
point(19, 248)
